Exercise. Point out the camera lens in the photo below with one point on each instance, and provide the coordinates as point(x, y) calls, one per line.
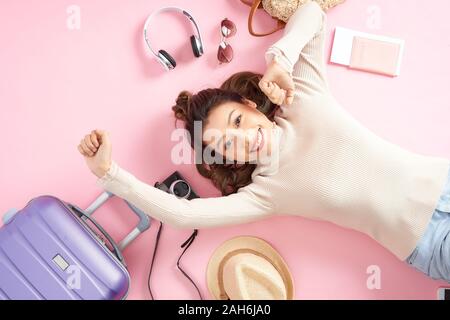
point(180, 188)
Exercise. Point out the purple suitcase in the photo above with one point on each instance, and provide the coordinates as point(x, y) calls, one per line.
point(48, 250)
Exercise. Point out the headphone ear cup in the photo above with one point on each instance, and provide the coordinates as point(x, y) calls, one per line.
point(170, 61)
point(196, 46)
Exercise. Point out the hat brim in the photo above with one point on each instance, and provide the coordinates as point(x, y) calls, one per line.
point(252, 243)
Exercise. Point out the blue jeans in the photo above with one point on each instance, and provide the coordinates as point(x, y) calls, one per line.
point(432, 254)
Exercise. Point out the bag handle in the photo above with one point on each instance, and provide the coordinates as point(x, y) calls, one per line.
point(257, 4)
point(250, 3)
point(83, 215)
point(143, 224)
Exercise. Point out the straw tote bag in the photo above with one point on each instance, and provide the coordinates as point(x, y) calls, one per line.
point(281, 10)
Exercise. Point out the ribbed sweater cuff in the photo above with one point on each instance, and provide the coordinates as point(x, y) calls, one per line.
point(109, 176)
point(274, 53)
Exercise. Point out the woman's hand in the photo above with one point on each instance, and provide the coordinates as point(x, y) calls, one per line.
point(277, 84)
point(96, 149)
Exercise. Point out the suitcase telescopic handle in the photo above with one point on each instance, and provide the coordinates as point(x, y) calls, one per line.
point(143, 224)
point(114, 246)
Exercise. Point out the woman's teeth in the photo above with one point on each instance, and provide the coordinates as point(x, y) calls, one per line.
point(258, 140)
point(259, 137)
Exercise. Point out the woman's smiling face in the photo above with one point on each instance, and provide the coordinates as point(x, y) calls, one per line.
point(238, 131)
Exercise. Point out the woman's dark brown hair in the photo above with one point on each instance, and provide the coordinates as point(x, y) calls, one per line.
point(228, 178)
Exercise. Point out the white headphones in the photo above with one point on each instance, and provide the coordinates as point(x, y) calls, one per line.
point(162, 56)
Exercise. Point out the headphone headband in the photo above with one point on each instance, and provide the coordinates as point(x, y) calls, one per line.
point(164, 9)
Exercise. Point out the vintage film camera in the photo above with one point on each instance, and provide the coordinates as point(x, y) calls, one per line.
point(178, 186)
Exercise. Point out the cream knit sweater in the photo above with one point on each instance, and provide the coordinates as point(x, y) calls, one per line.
point(329, 167)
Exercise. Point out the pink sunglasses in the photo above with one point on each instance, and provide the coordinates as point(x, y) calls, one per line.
point(225, 51)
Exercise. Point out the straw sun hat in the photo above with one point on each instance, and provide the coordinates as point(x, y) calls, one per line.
point(248, 268)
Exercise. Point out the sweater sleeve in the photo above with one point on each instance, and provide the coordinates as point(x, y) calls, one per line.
point(240, 207)
point(301, 48)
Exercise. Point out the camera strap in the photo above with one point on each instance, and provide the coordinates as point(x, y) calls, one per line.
point(185, 245)
point(158, 235)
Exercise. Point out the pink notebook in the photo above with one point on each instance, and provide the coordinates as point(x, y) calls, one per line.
point(375, 56)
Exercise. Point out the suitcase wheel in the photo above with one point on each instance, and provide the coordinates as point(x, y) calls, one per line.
point(9, 215)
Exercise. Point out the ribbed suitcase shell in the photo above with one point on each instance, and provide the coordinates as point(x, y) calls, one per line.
point(44, 231)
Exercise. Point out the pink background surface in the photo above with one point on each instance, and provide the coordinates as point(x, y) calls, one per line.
point(57, 84)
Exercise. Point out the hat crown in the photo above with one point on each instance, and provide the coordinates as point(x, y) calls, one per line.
point(247, 267)
point(249, 276)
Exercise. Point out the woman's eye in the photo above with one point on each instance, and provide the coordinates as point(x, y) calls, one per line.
point(238, 120)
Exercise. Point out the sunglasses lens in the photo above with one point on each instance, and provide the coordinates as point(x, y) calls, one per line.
point(225, 53)
point(228, 28)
